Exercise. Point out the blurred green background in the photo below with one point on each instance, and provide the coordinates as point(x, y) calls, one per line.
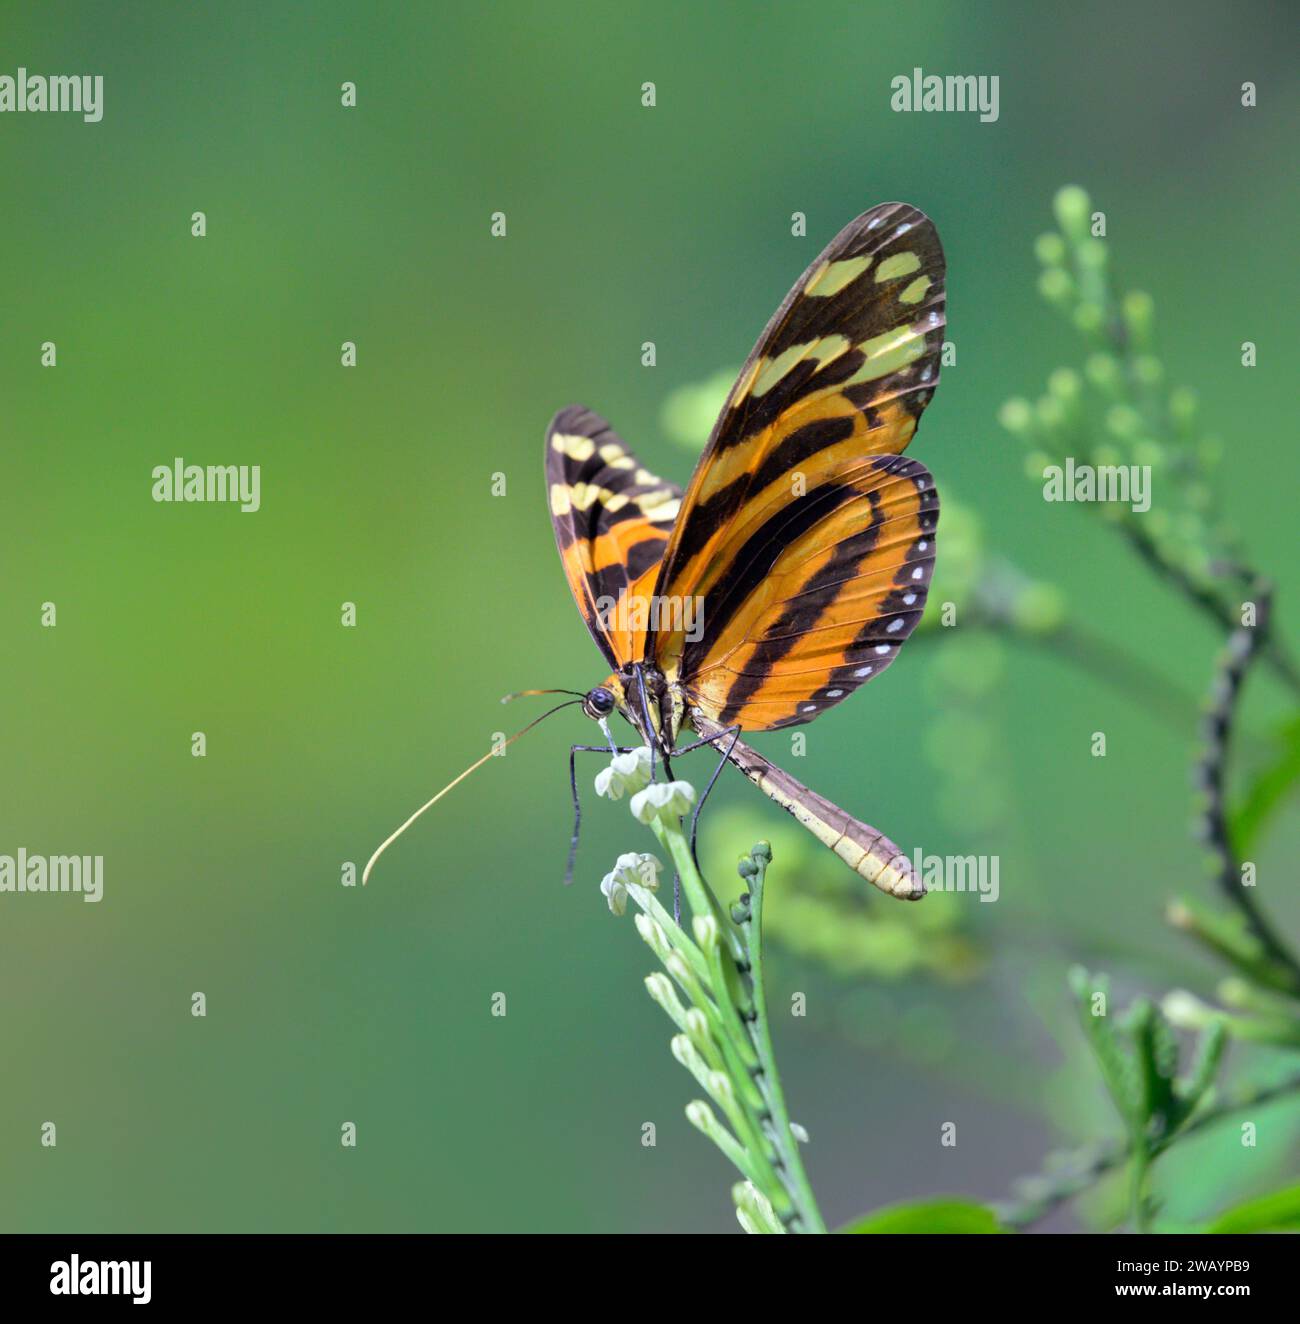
point(328, 1004)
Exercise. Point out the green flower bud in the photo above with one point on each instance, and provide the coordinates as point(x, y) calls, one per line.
point(1088, 318)
point(1050, 249)
point(1123, 421)
point(1091, 255)
point(1103, 372)
point(686, 1053)
point(1073, 209)
point(1139, 316)
point(706, 931)
point(1149, 452)
point(1039, 608)
point(1056, 286)
point(697, 1026)
point(660, 988)
point(720, 1086)
point(1049, 414)
point(1234, 992)
point(1148, 370)
point(1182, 406)
point(1065, 385)
point(1016, 416)
point(654, 937)
point(754, 1211)
point(1036, 463)
point(679, 967)
point(1187, 1012)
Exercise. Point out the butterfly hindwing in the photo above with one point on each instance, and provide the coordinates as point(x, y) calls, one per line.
point(612, 520)
point(818, 598)
point(840, 376)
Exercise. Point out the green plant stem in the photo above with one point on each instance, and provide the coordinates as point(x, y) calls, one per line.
point(1245, 644)
point(698, 894)
point(717, 962)
point(1140, 1166)
point(1089, 1167)
point(769, 1082)
point(1209, 602)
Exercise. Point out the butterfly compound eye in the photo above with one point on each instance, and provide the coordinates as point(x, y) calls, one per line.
point(600, 702)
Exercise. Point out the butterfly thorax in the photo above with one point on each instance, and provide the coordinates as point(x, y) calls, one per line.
point(662, 702)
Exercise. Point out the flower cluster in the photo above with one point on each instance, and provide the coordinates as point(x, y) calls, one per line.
point(710, 987)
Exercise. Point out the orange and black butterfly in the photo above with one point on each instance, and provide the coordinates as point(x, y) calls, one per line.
point(797, 560)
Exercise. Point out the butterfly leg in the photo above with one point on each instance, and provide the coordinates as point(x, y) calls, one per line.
point(645, 715)
point(668, 776)
point(734, 733)
point(574, 751)
point(699, 744)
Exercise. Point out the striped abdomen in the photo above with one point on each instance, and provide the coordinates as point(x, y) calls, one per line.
point(869, 853)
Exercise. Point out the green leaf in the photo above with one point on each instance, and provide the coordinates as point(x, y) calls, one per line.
point(1117, 1072)
point(1226, 933)
point(946, 1214)
point(1209, 1054)
point(1157, 1059)
point(1268, 791)
point(1268, 1213)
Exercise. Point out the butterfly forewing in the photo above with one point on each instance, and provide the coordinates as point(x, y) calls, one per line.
point(612, 518)
point(794, 482)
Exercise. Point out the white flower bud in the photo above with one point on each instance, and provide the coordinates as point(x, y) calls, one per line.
point(615, 893)
point(626, 774)
point(637, 869)
point(706, 931)
point(663, 800)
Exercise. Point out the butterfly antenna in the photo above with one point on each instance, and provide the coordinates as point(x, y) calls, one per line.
point(473, 767)
point(523, 694)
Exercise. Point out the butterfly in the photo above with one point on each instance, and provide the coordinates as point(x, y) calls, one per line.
point(797, 560)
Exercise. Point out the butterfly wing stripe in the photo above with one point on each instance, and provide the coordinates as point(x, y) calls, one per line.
point(816, 614)
point(612, 518)
point(843, 518)
point(849, 360)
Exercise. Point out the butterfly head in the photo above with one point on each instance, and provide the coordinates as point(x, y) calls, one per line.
point(600, 702)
